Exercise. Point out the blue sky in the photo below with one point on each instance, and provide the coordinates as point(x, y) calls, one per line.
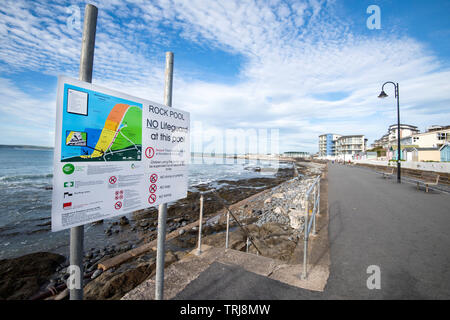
point(301, 67)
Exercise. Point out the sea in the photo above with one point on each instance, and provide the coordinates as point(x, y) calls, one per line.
point(26, 198)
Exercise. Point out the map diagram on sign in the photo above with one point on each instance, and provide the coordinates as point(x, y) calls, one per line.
point(100, 127)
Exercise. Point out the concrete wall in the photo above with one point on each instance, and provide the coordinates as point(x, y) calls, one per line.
point(429, 155)
point(426, 166)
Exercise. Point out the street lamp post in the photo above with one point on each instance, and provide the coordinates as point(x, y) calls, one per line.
point(384, 95)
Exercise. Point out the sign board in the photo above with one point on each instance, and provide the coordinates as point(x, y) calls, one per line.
point(114, 154)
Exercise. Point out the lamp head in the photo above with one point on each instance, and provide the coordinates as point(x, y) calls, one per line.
point(382, 95)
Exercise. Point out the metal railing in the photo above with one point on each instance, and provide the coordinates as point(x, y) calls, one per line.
point(312, 195)
point(314, 191)
point(229, 213)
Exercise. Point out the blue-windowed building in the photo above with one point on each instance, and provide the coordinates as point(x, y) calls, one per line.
point(327, 144)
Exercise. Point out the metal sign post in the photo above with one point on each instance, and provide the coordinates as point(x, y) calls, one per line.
point(162, 210)
point(86, 66)
point(200, 224)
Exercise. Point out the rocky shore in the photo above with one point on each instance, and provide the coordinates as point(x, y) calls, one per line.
point(271, 209)
point(129, 232)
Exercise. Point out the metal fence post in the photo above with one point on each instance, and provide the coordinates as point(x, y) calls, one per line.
point(318, 202)
point(316, 197)
point(199, 249)
point(228, 231)
point(305, 247)
point(162, 209)
point(85, 74)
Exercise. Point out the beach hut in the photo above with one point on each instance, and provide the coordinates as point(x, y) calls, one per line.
point(429, 154)
point(445, 152)
point(410, 154)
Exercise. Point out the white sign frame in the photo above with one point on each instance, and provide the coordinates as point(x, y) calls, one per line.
point(101, 182)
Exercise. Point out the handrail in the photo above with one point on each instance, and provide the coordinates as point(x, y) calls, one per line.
point(239, 224)
point(311, 223)
point(247, 233)
point(315, 186)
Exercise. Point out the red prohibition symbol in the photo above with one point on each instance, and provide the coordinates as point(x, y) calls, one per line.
point(149, 152)
point(118, 205)
point(152, 188)
point(153, 178)
point(152, 198)
point(112, 180)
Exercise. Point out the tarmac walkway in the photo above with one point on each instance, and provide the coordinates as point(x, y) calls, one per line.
point(218, 261)
point(372, 222)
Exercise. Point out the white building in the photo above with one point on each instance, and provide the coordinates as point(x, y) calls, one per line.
point(348, 146)
point(390, 138)
point(429, 139)
point(327, 145)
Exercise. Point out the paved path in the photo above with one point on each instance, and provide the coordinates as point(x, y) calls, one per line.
point(373, 221)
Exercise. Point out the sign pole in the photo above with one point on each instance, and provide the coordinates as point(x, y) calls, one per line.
point(86, 66)
point(162, 210)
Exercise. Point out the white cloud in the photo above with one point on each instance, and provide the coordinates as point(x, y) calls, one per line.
point(26, 119)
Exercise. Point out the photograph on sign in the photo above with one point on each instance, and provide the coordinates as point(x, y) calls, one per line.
point(77, 102)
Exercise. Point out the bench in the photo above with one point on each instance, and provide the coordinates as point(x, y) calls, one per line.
point(387, 173)
point(428, 179)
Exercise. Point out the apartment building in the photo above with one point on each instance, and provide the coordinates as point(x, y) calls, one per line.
point(350, 145)
point(406, 130)
point(390, 138)
point(430, 139)
point(327, 144)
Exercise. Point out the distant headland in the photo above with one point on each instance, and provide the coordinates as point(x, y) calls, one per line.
point(17, 146)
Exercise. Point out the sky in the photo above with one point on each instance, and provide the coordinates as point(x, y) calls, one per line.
point(301, 68)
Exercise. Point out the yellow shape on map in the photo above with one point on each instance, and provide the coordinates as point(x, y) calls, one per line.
point(109, 131)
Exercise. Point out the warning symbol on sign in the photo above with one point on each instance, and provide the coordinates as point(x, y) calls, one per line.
point(152, 188)
point(112, 180)
point(153, 178)
point(149, 152)
point(118, 205)
point(119, 195)
point(152, 198)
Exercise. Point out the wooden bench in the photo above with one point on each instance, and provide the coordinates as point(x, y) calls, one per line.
point(387, 173)
point(428, 179)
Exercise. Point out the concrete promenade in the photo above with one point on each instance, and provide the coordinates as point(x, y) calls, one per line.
point(372, 221)
point(376, 221)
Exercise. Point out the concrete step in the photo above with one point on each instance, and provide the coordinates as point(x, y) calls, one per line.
point(178, 275)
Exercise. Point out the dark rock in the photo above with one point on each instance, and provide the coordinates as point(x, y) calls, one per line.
point(124, 221)
point(96, 274)
point(20, 278)
point(143, 224)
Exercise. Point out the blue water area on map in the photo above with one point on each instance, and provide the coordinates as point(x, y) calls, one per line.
point(98, 109)
point(92, 138)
